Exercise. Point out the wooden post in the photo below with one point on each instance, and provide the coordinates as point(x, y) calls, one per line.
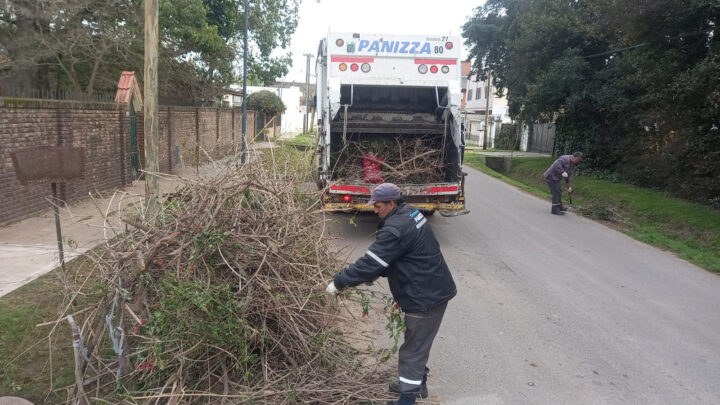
point(151, 123)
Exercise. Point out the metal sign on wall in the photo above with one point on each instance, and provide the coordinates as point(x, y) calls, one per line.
point(48, 164)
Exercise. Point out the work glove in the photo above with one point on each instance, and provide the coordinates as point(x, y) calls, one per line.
point(565, 175)
point(331, 289)
point(569, 189)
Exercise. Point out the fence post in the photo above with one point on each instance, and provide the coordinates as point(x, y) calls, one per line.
point(197, 138)
point(170, 138)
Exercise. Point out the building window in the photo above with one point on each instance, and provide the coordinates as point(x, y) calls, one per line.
point(469, 96)
point(478, 93)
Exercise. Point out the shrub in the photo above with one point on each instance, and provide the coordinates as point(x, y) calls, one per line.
point(507, 138)
point(266, 102)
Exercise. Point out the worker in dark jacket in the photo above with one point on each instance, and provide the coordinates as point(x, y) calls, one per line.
point(562, 168)
point(407, 253)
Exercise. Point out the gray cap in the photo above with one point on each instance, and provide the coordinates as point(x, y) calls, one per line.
point(385, 192)
point(578, 155)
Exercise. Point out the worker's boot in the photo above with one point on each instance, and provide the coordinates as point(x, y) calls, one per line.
point(395, 388)
point(405, 399)
point(556, 210)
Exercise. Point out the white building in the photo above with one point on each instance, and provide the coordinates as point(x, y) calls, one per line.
point(476, 108)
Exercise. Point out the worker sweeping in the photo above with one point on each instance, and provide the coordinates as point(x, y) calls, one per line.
point(407, 253)
point(562, 168)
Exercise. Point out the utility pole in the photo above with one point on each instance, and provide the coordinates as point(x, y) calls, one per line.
point(487, 109)
point(308, 125)
point(244, 101)
point(151, 123)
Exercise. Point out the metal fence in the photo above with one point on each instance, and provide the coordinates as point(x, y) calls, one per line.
point(12, 91)
point(46, 94)
point(541, 138)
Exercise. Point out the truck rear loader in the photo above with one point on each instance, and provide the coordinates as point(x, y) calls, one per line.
point(388, 109)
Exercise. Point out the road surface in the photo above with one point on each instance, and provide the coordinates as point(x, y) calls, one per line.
point(563, 310)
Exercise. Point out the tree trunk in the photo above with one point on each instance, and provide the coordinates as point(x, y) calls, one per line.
point(93, 75)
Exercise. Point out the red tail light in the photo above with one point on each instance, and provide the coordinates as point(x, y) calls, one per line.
point(433, 69)
point(347, 198)
point(354, 67)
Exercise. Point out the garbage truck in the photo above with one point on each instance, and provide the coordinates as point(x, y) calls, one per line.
point(388, 110)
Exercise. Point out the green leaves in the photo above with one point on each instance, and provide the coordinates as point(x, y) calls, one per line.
point(83, 45)
point(266, 102)
point(633, 84)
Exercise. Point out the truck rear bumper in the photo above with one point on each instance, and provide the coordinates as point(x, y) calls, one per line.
point(448, 198)
point(350, 207)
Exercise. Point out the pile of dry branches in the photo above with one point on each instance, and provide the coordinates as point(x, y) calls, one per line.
point(220, 299)
point(404, 160)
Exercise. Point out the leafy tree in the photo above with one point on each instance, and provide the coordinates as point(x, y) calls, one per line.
point(265, 102)
point(82, 45)
point(632, 83)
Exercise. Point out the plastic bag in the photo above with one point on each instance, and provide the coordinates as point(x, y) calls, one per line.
point(372, 169)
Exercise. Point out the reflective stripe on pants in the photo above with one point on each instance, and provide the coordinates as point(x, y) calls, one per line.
point(421, 328)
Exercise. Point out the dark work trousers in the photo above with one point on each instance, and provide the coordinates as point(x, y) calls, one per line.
point(421, 328)
point(556, 192)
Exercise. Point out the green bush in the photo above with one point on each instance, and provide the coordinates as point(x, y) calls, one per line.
point(266, 102)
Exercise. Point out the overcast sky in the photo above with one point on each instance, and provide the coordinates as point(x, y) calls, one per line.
point(424, 17)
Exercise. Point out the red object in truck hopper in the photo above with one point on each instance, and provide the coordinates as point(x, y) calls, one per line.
point(371, 169)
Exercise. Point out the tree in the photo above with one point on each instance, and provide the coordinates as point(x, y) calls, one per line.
point(265, 102)
point(83, 45)
point(633, 84)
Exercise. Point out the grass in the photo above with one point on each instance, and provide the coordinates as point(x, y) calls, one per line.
point(479, 149)
point(286, 158)
point(305, 139)
point(690, 230)
point(302, 141)
point(32, 364)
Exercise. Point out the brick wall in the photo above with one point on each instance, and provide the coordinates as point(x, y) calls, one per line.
point(191, 133)
point(96, 127)
point(103, 129)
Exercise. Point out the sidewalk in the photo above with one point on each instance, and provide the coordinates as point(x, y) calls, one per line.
point(28, 248)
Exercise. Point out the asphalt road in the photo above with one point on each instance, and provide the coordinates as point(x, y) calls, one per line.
point(563, 310)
